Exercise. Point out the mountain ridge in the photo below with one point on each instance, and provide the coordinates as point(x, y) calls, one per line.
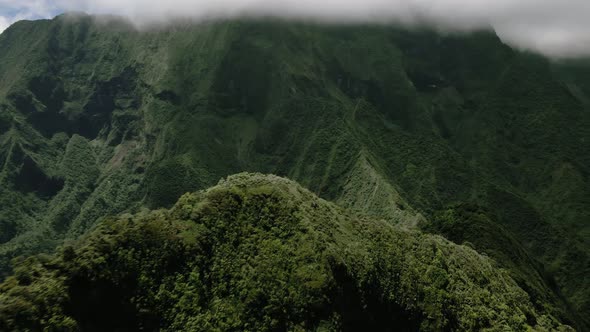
point(259, 252)
point(108, 119)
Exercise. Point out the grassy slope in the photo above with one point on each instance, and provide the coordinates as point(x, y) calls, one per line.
point(383, 121)
point(261, 253)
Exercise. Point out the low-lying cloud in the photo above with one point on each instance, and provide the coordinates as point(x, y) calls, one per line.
point(554, 27)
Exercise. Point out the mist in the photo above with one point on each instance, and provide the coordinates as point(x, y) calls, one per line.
point(556, 28)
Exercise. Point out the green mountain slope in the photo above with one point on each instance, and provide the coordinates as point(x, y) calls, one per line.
point(576, 74)
point(261, 253)
point(411, 127)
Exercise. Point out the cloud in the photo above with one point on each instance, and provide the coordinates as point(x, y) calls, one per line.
point(4, 23)
point(553, 27)
point(15, 10)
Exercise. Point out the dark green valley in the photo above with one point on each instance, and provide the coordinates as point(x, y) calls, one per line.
point(423, 181)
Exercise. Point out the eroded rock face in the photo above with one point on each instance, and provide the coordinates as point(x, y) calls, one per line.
point(31, 179)
point(51, 110)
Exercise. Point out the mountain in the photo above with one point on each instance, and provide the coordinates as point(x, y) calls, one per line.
point(576, 74)
point(457, 135)
point(261, 253)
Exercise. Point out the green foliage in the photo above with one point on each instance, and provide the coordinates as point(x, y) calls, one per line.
point(170, 180)
point(475, 227)
point(261, 253)
point(33, 299)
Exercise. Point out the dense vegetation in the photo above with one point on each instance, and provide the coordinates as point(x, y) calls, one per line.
point(456, 134)
point(259, 253)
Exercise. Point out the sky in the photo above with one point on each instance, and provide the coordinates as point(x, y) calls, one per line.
point(557, 28)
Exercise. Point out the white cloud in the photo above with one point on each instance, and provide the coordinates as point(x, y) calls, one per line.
point(15, 10)
point(4, 23)
point(554, 27)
